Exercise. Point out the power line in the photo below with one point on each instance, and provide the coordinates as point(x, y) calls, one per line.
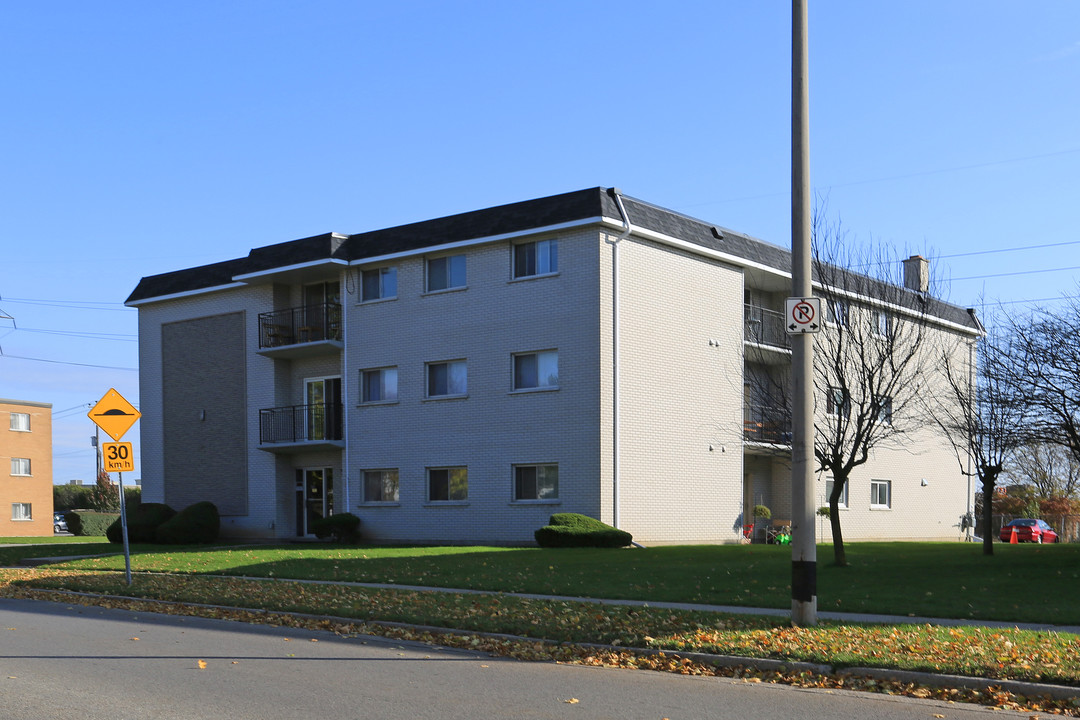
point(1018, 272)
point(70, 304)
point(62, 362)
point(123, 337)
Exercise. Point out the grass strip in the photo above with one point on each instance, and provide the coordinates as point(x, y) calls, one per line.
point(1020, 583)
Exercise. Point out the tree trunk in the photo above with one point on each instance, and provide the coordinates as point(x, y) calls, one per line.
point(839, 554)
point(988, 512)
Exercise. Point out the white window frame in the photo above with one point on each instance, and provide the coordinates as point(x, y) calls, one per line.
point(456, 386)
point(839, 312)
point(20, 422)
point(20, 467)
point(449, 470)
point(384, 374)
point(538, 469)
point(881, 323)
point(544, 259)
point(383, 275)
point(22, 512)
point(875, 486)
point(837, 402)
point(380, 477)
point(454, 264)
point(843, 503)
point(541, 382)
point(884, 408)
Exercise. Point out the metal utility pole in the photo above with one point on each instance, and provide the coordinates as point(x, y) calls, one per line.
point(803, 540)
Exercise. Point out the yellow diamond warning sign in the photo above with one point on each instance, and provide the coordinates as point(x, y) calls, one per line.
point(114, 414)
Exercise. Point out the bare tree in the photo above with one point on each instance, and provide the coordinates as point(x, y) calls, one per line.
point(1047, 367)
point(871, 361)
point(983, 414)
point(1050, 469)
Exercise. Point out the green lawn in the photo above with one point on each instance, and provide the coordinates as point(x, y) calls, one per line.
point(1020, 583)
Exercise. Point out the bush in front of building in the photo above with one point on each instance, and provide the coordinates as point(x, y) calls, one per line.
point(88, 523)
point(142, 522)
point(574, 530)
point(342, 527)
point(194, 525)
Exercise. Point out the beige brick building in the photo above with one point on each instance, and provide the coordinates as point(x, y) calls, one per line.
point(458, 380)
point(26, 487)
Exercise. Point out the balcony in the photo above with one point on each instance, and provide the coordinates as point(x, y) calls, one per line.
point(765, 327)
point(301, 427)
point(766, 425)
point(301, 331)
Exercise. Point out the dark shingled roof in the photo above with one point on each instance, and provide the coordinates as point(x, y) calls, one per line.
point(515, 217)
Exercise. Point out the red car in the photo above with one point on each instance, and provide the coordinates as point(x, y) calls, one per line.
point(1029, 530)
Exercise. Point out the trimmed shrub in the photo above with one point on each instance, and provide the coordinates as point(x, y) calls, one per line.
point(574, 530)
point(342, 527)
point(142, 522)
point(195, 524)
point(90, 524)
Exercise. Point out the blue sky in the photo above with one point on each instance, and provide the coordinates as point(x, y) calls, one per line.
point(139, 138)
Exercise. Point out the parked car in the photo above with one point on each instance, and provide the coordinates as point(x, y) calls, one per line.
point(1029, 530)
point(59, 521)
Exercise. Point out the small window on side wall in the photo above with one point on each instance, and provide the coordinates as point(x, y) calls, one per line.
point(379, 284)
point(880, 494)
point(20, 422)
point(380, 486)
point(537, 370)
point(536, 258)
point(378, 385)
point(449, 484)
point(536, 482)
point(445, 273)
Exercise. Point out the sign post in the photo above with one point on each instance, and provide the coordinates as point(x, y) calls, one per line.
point(115, 416)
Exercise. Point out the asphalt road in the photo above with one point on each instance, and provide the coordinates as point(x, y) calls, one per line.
point(61, 661)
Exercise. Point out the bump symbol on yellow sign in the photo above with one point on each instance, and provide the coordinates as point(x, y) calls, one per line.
point(114, 414)
point(117, 457)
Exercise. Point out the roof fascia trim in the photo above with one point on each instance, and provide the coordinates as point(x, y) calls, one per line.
point(431, 249)
point(185, 294)
point(743, 262)
point(247, 277)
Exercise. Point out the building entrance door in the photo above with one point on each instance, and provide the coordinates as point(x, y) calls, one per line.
point(314, 497)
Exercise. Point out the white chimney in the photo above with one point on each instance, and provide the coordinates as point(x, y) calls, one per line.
point(917, 274)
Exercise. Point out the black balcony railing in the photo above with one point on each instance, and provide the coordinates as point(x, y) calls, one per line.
point(765, 327)
point(307, 324)
point(300, 423)
point(765, 424)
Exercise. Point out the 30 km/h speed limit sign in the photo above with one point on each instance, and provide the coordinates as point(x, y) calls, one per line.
point(117, 457)
point(802, 315)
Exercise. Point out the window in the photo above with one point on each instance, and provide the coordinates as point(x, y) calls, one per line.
point(20, 422)
point(380, 486)
point(536, 482)
point(448, 484)
point(20, 466)
point(378, 385)
point(880, 323)
point(445, 273)
point(447, 379)
point(829, 484)
point(837, 402)
point(880, 494)
point(536, 258)
point(883, 407)
point(21, 511)
point(839, 312)
point(378, 284)
point(536, 370)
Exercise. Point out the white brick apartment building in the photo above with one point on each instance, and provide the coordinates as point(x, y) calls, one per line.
point(458, 380)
